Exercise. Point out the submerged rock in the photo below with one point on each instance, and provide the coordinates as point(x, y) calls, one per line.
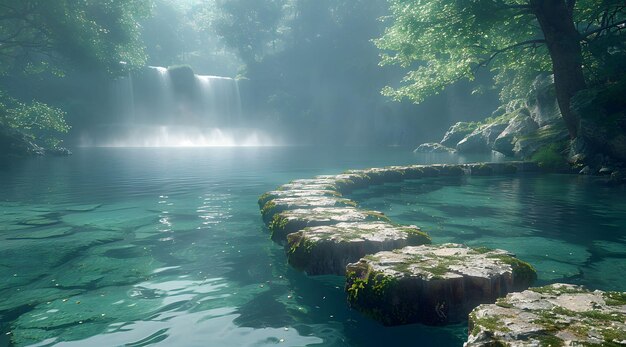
point(288, 222)
point(554, 315)
point(326, 250)
point(432, 284)
point(433, 148)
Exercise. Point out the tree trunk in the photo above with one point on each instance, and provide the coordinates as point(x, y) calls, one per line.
point(563, 40)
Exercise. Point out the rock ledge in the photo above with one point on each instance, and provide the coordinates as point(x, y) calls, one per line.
point(554, 315)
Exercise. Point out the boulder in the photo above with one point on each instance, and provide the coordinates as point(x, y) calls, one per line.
point(541, 101)
point(325, 250)
point(482, 139)
point(433, 147)
point(554, 315)
point(521, 124)
point(456, 133)
point(288, 222)
point(432, 284)
point(527, 145)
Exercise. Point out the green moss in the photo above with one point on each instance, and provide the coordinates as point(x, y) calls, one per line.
point(615, 298)
point(548, 340)
point(551, 157)
point(372, 296)
point(503, 303)
point(263, 199)
point(489, 323)
point(612, 335)
point(278, 223)
point(268, 210)
point(417, 237)
point(482, 250)
point(438, 271)
point(300, 249)
point(548, 319)
point(558, 290)
point(601, 316)
point(524, 274)
point(379, 216)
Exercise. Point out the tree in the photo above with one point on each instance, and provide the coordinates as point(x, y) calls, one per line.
point(444, 41)
point(248, 26)
point(51, 37)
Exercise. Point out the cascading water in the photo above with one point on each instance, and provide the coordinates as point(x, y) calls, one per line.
point(161, 107)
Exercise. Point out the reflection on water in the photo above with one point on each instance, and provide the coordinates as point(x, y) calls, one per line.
point(163, 247)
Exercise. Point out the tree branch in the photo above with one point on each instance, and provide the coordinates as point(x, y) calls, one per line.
point(508, 48)
point(595, 31)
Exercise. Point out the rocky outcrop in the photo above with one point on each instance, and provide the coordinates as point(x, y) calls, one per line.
point(482, 139)
point(518, 129)
point(433, 147)
point(326, 250)
point(527, 145)
point(432, 284)
point(554, 315)
point(520, 125)
point(456, 133)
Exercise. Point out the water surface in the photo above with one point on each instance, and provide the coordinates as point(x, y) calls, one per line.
point(166, 247)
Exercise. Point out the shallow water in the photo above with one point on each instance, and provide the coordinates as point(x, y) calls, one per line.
point(166, 247)
point(570, 228)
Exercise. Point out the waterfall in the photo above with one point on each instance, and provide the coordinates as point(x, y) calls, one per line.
point(220, 99)
point(165, 97)
point(173, 107)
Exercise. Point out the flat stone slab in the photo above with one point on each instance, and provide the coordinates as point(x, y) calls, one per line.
point(432, 284)
point(294, 193)
point(325, 250)
point(291, 221)
point(278, 205)
point(310, 184)
point(554, 315)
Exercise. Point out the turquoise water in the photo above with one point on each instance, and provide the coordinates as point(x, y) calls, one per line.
point(571, 228)
point(166, 247)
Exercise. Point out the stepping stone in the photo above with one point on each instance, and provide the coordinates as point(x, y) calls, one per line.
point(554, 315)
point(432, 284)
point(294, 193)
point(347, 182)
point(310, 184)
point(278, 205)
point(288, 222)
point(326, 250)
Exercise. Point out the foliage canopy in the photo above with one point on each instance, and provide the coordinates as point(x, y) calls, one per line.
point(52, 37)
point(441, 42)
